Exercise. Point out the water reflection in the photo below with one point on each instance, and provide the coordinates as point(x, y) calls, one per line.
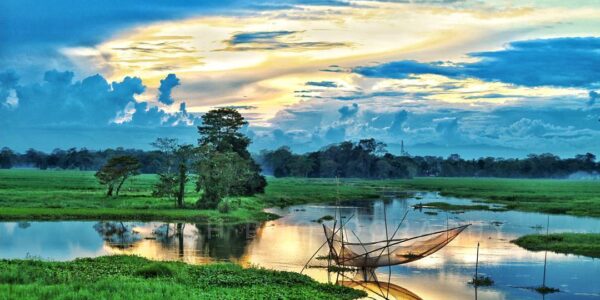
point(117, 234)
point(287, 243)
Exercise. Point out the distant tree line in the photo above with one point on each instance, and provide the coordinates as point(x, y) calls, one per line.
point(369, 159)
point(78, 159)
point(363, 159)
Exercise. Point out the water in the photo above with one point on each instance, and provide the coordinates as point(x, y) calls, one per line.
point(287, 243)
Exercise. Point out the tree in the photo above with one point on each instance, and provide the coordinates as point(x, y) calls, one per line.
point(220, 138)
point(220, 133)
point(185, 156)
point(116, 171)
point(173, 173)
point(7, 158)
point(220, 174)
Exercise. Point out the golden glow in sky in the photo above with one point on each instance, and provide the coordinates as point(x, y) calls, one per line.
point(263, 59)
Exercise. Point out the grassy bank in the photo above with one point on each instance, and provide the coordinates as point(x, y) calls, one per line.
point(70, 195)
point(572, 197)
point(54, 195)
point(587, 244)
point(130, 277)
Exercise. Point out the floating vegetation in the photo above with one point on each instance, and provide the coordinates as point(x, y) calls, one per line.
point(545, 290)
point(431, 213)
point(325, 218)
point(587, 244)
point(537, 227)
point(481, 280)
point(322, 257)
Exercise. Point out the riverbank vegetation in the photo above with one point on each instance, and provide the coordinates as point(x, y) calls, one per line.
point(28, 194)
point(587, 244)
point(131, 277)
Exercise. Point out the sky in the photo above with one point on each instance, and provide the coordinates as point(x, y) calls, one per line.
point(477, 78)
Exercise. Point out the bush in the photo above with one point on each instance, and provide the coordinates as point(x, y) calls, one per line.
point(224, 206)
point(155, 270)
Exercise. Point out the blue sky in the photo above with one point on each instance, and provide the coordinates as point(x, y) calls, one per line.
point(478, 78)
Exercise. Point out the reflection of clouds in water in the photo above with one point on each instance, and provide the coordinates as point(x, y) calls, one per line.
point(52, 240)
point(9, 228)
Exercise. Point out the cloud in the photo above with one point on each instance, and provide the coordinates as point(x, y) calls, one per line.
point(58, 104)
point(362, 95)
point(593, 97)
point(274, 40)
point(327, 84)
point(166, 85)
point(399, 119)
point(559, 62)
point(8, 81)
point(406, 68)
point(347, 112)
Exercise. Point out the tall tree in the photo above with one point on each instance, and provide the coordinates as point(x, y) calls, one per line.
point(220, 131)
point(116, 171)
point(226, 166)
point(174, 172)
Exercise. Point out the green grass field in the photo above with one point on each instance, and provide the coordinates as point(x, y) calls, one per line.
point(573, 197)
point(62, 195)
point(131, 277)
point(587, 244)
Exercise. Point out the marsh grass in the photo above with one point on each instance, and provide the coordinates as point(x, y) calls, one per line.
point(131, 277)
point(587, 244)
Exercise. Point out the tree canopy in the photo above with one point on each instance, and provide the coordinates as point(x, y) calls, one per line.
point(225, 166)
point(116, 171)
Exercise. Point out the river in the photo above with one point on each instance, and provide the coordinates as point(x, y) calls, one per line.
point(287, 243)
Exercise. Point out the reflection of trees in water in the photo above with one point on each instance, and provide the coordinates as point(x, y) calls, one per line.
point(218, 242)
point(224, 242)
point(23, 225)
point(169, 235)
point(117, 234)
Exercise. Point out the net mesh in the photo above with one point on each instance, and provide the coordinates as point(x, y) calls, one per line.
point(375, 254)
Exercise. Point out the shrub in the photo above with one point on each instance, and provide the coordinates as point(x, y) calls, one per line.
point(154, 270)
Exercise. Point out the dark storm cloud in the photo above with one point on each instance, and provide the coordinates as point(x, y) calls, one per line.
point(560, 62)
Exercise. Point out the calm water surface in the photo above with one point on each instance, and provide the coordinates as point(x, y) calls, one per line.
point(287, 243)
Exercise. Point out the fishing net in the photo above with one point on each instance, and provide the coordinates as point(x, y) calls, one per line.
point(387, 252)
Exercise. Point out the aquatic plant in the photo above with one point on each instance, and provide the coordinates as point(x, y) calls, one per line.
point(481, 280)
